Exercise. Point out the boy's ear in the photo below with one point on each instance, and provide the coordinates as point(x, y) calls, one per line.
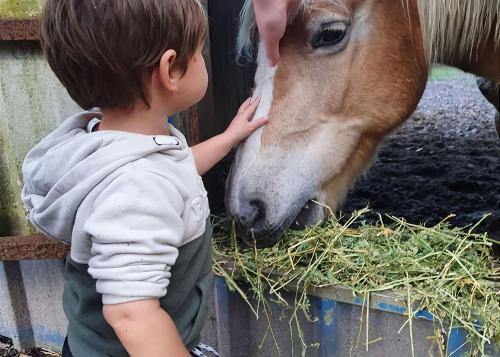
point(168, 74)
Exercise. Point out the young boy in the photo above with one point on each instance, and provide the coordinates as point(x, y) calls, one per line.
point(119, 183)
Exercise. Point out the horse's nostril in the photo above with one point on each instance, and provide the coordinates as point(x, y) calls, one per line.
point(251, 213)
point(260, 210)
point(243, 219)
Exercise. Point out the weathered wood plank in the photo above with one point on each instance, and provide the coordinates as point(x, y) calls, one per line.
point(19, 30)
point(35, 247)
point(19, 20)
point(232, 84)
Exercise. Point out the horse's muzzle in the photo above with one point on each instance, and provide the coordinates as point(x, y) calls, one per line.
point(253, 228)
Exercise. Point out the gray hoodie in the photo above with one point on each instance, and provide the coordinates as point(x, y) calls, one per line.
point(126, 202)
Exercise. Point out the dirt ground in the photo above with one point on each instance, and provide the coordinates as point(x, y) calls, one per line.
point(445, 159)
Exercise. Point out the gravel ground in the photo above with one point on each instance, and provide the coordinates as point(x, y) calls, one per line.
point(445, 159)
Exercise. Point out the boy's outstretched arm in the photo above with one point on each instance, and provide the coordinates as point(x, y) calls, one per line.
point(145, 329)
point(210, 152)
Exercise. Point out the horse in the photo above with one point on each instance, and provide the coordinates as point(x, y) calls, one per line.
point(350, 72)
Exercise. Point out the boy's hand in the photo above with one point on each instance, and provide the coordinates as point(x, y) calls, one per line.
point(241, 127)
point(210, 152)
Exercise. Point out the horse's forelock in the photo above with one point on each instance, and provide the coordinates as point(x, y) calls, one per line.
point(451, 28)
point(247, 33)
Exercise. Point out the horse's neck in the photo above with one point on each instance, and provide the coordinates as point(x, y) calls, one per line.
point(463, 33)
point(486, 63)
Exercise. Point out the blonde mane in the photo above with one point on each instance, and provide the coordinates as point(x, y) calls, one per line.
point(454, 28)
point(451, 28)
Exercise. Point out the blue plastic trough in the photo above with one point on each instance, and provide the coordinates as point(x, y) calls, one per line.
point(337, 327)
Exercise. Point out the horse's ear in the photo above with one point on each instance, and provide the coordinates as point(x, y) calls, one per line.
point(248, 35)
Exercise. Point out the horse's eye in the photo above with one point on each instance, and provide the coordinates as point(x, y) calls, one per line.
point(329, 35)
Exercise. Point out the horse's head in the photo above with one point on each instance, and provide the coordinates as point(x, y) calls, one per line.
point(350, 72)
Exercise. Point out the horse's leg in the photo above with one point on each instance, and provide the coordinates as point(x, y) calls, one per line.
point(491, 91)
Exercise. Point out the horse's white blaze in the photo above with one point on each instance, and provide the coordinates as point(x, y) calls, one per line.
point(264, 79)
point(276, 181)
point(246, 155)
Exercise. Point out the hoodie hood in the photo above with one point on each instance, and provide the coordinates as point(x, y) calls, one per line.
point(70, 162)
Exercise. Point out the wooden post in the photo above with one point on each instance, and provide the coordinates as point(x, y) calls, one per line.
point(232, 84)
point(31, 248)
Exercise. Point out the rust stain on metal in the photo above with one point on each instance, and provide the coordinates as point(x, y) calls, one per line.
point(19, 30)
point(31, 248)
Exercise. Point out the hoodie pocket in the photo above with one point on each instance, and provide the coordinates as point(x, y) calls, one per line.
point(198, 212)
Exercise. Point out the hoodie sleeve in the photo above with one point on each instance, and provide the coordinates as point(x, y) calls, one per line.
point(136, 228)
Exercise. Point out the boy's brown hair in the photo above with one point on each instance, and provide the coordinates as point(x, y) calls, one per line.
point(101, 50)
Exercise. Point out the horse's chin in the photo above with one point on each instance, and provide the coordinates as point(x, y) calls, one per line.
point(310, 214)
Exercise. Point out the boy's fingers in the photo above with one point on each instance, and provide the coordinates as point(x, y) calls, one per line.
point(252, 107)
point(254, 104)
point(244, 105)
point(256, 124)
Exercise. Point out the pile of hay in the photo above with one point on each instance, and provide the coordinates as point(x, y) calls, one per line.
point(448, 271)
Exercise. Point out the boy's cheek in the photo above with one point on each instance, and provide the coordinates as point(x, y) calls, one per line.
point(206, 79)
point(205, 82)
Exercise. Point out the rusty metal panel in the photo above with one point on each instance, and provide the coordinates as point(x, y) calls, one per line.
point(7, 315)
point(32, 103)
point(43, 284)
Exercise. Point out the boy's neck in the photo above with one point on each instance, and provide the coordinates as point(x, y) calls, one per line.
point(139, 120)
